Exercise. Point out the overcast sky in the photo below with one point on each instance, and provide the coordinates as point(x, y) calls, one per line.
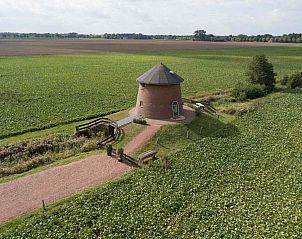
point(152, 16)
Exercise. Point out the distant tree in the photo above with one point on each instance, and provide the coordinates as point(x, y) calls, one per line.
point(261, 72)
point(294, 40)
point(72, 35)
point(200, 35)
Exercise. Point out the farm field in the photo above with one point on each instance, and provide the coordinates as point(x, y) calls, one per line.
point(243, 180)
point(43, 91)
point(9, 47)
point(150, 119)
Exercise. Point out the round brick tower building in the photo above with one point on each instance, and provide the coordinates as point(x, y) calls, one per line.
point(159, 94)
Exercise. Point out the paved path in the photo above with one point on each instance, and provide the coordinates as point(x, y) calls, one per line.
point(126, 121)
point(141, 139)
point(25, 194)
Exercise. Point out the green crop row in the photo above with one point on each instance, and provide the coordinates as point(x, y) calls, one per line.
point(245, 184)
point(38, 92)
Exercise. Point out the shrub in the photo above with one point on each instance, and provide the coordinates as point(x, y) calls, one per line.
point(198, 112)
point(140, 121)
point(295, 80)
point(261, 72)
point(285, 80)
point(248, 91)
point(89, 146)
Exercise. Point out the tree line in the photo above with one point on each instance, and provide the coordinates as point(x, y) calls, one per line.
point(201, 35)
point(143, 36)
point(198, 35)
point(74, 35)
point(17, 35)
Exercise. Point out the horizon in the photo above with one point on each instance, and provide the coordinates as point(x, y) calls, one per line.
point(102, 34)
point(218, 17)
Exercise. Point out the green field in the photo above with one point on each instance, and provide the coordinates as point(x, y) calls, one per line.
point(43, 91)
point(243, 181)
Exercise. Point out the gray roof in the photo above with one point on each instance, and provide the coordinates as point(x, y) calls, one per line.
point(160, 75)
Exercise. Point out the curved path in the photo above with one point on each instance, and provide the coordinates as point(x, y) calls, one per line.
point(25, 194)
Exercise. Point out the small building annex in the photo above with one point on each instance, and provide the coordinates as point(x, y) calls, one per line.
point(159, 94)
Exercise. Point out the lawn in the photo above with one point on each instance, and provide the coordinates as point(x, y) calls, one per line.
point(241, 179)
point(43, 91)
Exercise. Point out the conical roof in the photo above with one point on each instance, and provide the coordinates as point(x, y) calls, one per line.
point(160, 75)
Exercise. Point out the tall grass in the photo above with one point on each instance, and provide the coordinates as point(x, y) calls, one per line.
point(23, 156)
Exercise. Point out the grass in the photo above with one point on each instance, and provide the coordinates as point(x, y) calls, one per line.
point(170, 138)
point(128, 133)
point(66, 128)
point(40, 92)
point(237, 178)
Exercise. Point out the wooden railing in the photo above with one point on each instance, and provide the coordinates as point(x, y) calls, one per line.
point(98, 125)
point(206, 104)
point(95, 123)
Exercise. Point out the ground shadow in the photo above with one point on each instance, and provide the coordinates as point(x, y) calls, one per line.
point(171, 137)
point(207, 125)
point(162, 145)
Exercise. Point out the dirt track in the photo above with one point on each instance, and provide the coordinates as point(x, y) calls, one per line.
point(42, 47)
point(25, 194)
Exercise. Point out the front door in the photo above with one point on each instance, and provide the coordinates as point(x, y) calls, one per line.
point(175, 109)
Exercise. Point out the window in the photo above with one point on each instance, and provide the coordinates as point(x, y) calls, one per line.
point(141, 104)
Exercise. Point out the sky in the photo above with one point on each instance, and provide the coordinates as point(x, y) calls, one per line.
point(220, 17)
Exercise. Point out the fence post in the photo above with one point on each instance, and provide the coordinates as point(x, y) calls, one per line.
point(44, 207)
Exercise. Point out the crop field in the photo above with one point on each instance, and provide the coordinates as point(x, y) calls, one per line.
point(42, 91)
point(243, 182)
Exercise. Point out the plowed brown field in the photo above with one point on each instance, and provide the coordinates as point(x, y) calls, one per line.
point(42, 47)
